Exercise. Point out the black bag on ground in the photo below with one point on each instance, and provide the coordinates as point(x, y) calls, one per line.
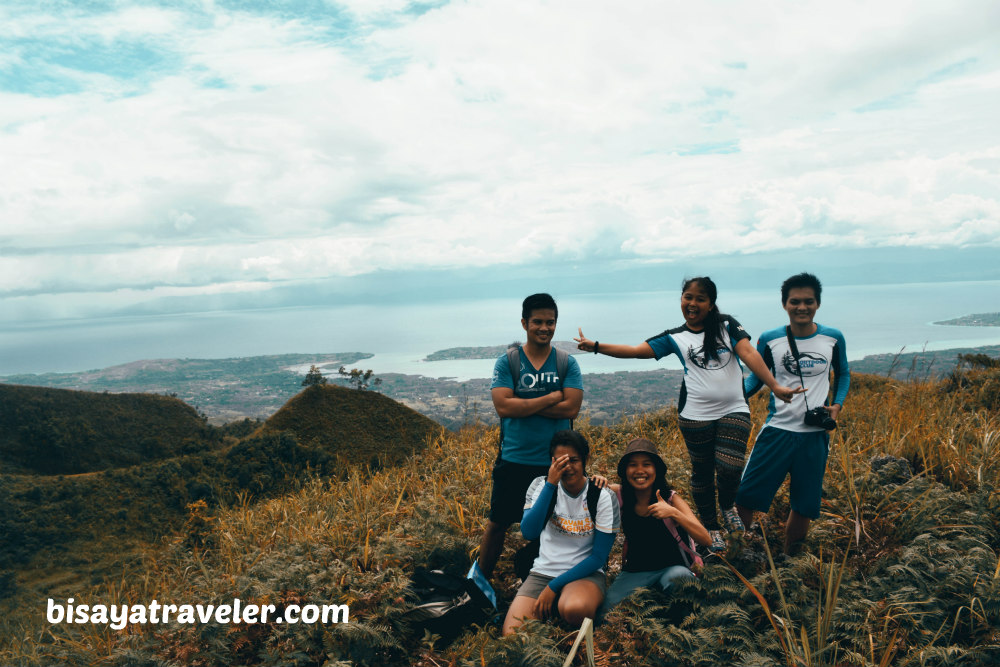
point(446, 604)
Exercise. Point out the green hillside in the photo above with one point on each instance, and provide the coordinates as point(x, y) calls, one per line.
point(357, 426)
point(62, 432)
point(322, 431)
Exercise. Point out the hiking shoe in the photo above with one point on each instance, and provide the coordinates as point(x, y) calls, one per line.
point(734, 524)
point(718, 542)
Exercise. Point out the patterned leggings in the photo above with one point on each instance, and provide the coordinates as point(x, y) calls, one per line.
point(717, 450)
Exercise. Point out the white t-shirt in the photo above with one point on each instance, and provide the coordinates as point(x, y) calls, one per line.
point(713, 390)
point(568, 536)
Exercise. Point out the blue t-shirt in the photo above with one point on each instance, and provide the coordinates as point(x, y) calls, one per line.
point(526, 439)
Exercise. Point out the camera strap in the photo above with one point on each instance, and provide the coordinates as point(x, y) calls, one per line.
point(795, 355)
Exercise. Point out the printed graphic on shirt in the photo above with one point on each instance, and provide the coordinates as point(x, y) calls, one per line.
point(696, 355)
point(572, 526)
point(530, 380)
point(811, 364)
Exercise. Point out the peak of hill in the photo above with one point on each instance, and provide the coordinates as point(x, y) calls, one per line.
point(357, 426)
point(60, 432)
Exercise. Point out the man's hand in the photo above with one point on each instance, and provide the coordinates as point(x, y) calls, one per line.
point(543, 605)
point(834, 411)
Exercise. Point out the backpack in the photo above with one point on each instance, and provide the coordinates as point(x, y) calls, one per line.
point(525, 557)
point(514, 362)
point(689, 556)
point(446, 604)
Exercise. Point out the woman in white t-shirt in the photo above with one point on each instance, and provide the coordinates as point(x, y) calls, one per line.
point(577, 527)
point(713, 414)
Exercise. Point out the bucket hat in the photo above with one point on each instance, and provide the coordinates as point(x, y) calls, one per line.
point(643, 446)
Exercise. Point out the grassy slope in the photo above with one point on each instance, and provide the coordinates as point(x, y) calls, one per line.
point(63, 432)
point(364, 425)
point(81, 524)
point(918, 584)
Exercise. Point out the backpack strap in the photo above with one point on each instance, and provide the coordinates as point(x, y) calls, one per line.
point(688, 554)
point(593, 496)
point(562, 365)
point(514, 362)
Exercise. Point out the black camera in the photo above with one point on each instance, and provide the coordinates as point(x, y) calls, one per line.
point(820, 417)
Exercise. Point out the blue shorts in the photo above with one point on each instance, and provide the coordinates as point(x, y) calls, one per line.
point(778, 453)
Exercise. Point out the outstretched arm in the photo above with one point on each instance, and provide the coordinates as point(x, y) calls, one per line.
point(640, 351)
point(755, 363)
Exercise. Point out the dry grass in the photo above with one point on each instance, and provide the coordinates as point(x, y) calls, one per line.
point(355, 540)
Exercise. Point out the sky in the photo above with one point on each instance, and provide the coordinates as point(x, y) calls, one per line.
point(155, 151)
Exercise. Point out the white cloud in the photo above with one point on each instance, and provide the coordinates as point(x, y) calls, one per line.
point(264, 147)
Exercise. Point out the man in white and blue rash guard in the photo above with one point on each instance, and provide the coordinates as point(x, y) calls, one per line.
point(787, 445)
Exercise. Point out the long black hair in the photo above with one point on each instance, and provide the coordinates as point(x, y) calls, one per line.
point(712, 324)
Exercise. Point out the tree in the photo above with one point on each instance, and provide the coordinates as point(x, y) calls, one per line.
point(315, 376)
point(360, 379)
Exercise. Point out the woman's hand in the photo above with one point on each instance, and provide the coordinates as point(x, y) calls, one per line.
point(584, 343)
point(600, 481)
point(543, 605)
point(557, 468)
point(661, 509)
point(785, 394)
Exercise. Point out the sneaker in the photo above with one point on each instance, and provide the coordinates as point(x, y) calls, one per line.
point(733, 521)
point(718, 542)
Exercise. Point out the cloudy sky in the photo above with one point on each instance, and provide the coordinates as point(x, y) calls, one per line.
point(190, 148)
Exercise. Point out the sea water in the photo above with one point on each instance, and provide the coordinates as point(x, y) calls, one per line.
point(874, 319)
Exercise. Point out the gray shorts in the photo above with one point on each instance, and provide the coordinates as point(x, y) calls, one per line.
point(536, 583)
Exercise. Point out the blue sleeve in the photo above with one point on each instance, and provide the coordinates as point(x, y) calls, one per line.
point(592, 563)
point(501, 373)
point(752, 383)
point(574, 378)
point(662, 345)
point(533, 520)
point(841, 372)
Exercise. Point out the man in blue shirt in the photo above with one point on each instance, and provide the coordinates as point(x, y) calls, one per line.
point(793, 443)
point(533, 404)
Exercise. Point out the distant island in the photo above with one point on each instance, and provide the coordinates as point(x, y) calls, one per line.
point(487, 352)
point(978, 320)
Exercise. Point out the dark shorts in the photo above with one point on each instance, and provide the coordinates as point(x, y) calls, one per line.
point(510, 486)
point(778, 453)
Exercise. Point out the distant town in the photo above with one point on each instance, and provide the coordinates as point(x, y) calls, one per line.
point(227, 390)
